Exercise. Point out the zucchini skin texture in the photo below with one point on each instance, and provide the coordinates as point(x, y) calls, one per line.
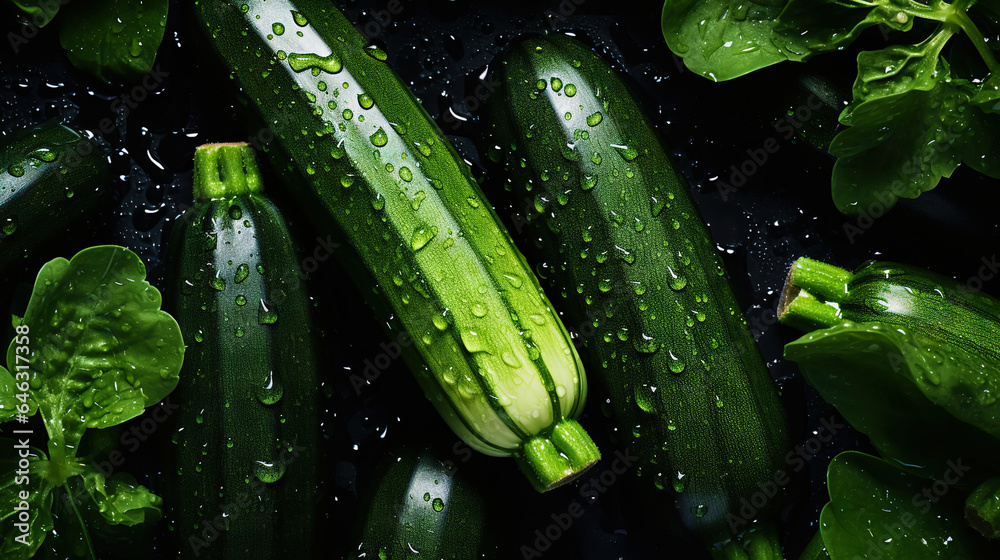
point(359, 151)
point(662, 330)
point(248, 388)
point(50, 178)
point(913, 298)
point(420, 503)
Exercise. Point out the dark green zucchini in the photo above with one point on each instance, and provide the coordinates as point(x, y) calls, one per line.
point(247, 436)
point(643, 283)
point(50, 178)
point(359, 152)
point(422, 507)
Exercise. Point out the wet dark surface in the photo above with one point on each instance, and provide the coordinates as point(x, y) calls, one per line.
point(441, 48)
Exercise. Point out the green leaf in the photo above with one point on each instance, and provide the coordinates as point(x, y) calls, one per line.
point(115, 40)
point(877, 511)
point(101, 348)
point(9, 400)
point(900, 146)
point(17, 492)
point(722, 39)
point(881, 379)
point(121, 500)
point(40, 12)
point(897, 70)
point(808, 27)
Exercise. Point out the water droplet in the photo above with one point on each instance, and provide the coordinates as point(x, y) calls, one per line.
point(595, 119)
point(241, 300)
point(556, 84)
point(376, 53)
point(510, 359)
point(267, 471)
point(418, 197)
point(218, 282)
point(406, 175)
point(346, 181)
point(271, 391)
point(540, 85)
point(278, 29)
point(440, 323)
point(299, 62)
point(676, 364)
point(645, 343)
point(570, 90)
point(365, 101)
point(478, 310)
point(235, 212)
point(588, 182)
point(349, 114)
point(438, 504)
point(266, 314)
point(422, 236)
point(627, 153)
point(242, 272)
point(300, 19)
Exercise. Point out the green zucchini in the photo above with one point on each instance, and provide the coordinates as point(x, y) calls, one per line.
point(50, 178)
point(359, 151)
point(247, 437)
point(642, 279)
point(423, 504)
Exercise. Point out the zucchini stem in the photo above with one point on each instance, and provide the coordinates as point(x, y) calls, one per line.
point(224, 171)
point(820, 279)
point(811, 294)
point(982, 508)
point(553, 460)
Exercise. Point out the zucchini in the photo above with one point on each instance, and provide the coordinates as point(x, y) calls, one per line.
point(625, 245)
point(247, 434)
point(359, 151)
point(50, 178)
point(422, 504)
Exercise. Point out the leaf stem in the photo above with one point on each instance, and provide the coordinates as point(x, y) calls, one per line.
point(961, 19)
point(92, 555)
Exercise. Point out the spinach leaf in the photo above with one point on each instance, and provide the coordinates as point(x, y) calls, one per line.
point(808, 27)
point(899, 146)
point(102, 350)
point(41, 12)
point(14, 487)
point(914, 117)
point(897, 70)
point(120, 499)
point(918, 402)
point(115, 40)
point(878, 511)
point(99, 351)
point(722, 39)
point(12, 400)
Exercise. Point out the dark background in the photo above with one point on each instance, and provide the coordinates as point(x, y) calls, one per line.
point(441, 48)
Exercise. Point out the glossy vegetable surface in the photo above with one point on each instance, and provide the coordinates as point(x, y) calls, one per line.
point(51, 177)
point(643, 284)
point(247, 429)
point(359, 151)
